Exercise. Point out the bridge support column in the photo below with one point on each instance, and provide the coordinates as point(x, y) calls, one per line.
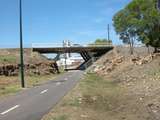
point(83, 56)
point(87, 55)
point(57, 57)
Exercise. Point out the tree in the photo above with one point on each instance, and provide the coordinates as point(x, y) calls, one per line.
point(139, 20)
point(103, 41)
point(148, 21)
point(127, 32)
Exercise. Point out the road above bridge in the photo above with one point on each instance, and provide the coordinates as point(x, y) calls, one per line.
point(32, 104)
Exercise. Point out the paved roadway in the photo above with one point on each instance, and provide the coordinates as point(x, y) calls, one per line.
point(32, 104)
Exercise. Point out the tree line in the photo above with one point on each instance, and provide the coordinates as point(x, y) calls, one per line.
point(139, 21)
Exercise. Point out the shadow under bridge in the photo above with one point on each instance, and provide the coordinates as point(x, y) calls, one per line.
point(90, 53)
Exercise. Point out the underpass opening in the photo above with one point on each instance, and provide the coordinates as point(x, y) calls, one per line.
point(89, 53)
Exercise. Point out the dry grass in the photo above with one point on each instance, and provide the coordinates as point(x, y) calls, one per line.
point(11, 85)
point(90, 100)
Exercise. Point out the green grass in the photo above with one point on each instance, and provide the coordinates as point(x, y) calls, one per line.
point(10, 89)
point(37, 80)
point(75, 102)
point(8, 59)
point(62, 117)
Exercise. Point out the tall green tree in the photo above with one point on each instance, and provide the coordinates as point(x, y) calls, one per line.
point(140, 20)
point(123, 26)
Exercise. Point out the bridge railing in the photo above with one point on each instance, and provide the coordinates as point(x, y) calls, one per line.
point(57, 45)
point(99, 45)
point(46, 45)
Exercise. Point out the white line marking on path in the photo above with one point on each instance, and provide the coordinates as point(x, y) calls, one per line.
point(65, 78)
point(44, 91)
point(3, 113)
point(58, 83)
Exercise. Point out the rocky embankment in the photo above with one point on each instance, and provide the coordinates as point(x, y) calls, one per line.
point(120, 57)
point(30, 69)
point(139, 77)
point(34, 63)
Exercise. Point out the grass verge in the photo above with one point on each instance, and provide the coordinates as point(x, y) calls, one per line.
point(11, 85)
point(91, 99)
point(8, 59)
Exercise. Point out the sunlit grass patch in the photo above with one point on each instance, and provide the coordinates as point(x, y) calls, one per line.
point(10, 89)
point(62, 117)
point(8, 59)
point(11, 85)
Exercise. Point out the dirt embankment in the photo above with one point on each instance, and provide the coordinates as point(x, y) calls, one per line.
point(139, 76)
point(124, 87)
point(34, 63)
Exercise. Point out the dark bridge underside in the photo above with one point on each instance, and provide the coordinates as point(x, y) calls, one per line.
point(73, 49)
point(88, 53)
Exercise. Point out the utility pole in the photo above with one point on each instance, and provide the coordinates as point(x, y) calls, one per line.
point(65, 54)
point(21, 45)
point(108, 32)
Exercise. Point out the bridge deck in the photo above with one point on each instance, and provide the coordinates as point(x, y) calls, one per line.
point(73, 49)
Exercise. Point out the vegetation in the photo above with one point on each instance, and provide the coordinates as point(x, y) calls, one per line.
point(91, 99)
point(8, 59)
point(139, 20)
point(11, 85)
point(103, 41)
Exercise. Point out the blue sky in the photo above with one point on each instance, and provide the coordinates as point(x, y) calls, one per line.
point(52, 21)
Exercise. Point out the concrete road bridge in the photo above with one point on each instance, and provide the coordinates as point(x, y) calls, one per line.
point(89, 53)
